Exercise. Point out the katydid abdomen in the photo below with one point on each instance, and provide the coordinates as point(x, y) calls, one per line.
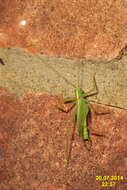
point(82, 113)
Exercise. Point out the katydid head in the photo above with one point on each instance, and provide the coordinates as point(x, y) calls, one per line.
point(79, 92)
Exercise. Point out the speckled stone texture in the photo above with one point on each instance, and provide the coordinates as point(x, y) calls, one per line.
point(32, 130)
point(71, 28)
point(32, 146)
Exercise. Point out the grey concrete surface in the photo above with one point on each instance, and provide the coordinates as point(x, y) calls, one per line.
point(24, 72)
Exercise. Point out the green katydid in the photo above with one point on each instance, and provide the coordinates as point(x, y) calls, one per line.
point(82, 110)
point(83, 107)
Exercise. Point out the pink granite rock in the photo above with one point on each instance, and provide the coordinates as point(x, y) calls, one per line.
point(33, 136)
point(65, 28)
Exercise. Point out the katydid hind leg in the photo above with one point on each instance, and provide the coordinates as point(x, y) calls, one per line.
point(70, 137)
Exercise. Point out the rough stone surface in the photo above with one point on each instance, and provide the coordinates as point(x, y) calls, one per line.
point(65, 28)
point(23, 72)
point(33, 131)
point(32, 146)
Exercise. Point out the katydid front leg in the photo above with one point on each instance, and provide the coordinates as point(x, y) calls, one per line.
point(64, 108)
point(93, 91)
